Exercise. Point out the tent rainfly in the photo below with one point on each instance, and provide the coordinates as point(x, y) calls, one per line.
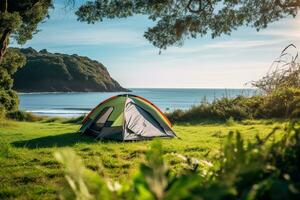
point(127, 117)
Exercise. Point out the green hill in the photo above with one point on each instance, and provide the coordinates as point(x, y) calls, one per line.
point(56, 72)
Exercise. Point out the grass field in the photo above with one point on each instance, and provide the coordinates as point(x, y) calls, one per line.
point(28, 169)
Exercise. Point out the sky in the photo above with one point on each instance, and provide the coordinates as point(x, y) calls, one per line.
point(225, 62)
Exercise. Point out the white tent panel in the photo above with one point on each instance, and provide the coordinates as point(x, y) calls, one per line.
point(139, 123)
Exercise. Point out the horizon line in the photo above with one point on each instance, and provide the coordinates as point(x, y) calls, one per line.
point(190, 87)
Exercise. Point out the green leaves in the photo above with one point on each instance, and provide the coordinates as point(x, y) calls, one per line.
point(12, 60)
point(10, 21)
point(18, 19)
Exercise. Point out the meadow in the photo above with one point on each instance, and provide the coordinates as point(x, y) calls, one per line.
point(28, 169)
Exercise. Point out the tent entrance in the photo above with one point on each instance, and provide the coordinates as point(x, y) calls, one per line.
point(102, 119)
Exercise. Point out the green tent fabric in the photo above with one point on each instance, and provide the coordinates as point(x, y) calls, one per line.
point(127, 117)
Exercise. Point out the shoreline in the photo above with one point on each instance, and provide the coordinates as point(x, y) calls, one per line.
point(130, 90)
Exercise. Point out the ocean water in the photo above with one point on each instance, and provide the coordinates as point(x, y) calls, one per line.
point(76, 104)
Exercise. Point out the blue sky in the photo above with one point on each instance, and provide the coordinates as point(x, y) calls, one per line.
point(225, 62)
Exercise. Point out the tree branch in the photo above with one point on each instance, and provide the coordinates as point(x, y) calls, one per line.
point(4, 42)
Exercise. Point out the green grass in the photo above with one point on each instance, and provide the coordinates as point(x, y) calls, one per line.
point(28, 169)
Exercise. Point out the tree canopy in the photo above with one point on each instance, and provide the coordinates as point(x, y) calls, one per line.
point(177, 20)
point(19, 19)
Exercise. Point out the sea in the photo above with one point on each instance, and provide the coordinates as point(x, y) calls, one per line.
point(75, 104)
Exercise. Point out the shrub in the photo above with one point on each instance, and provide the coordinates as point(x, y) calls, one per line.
point(230, 121)
point(23, 116)
point(11, 61)
point(263, 169)
point(281, 103)
point(9, 100)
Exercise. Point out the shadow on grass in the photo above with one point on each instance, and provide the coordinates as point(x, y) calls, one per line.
point(61, 140)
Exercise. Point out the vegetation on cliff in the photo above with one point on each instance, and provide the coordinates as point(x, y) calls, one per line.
point(55, 72)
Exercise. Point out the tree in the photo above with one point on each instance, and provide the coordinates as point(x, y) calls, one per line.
point(181, 19)
point(18, 20)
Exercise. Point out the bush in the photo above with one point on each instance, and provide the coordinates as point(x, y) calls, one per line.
point(263, 169)
point(23, 116)
point(11, 61)
point(230, 122)
point(281, 103)
point(9, 100)
point(221, 109)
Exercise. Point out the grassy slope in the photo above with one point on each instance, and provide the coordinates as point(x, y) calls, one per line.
point(29, 171)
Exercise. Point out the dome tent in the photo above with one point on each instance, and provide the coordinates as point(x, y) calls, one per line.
point(127, 117)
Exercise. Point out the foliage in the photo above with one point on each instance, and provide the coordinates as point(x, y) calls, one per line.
point(258, 171)
point(9, 65)
point(23, 116)
point(9, 100)
point(281, 103)
point(178, 20)
point(20, 19)
point(12, 61)
point(20, 115)
point(230, 121)
point(222, 109)
point(52, 72)
point(252, 170)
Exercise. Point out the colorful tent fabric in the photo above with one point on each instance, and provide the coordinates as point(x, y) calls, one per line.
point(127, 117)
